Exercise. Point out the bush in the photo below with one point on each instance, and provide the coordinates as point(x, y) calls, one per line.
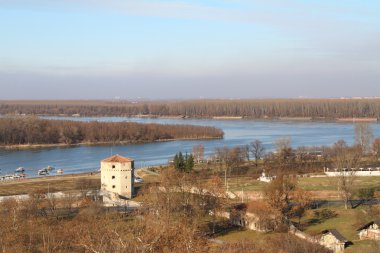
point(324, 214)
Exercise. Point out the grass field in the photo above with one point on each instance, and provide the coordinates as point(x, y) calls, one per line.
point(245, 183)
point(329, 183)
point(52, 184)
point(243, 234)
point(321, 188)
point(346, 222)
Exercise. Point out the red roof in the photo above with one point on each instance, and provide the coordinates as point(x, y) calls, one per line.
point(117, 159)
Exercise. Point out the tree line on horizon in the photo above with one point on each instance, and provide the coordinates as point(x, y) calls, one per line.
point(255, 108)
point(33, 130)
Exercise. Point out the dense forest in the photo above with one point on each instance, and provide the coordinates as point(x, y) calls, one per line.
point(32, 130)
point(258, 108)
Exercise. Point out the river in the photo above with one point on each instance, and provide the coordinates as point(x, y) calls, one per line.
point(79, 159)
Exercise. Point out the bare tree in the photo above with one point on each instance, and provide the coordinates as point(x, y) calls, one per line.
point(283, 148)
point(363, 136)
point(345, 160)
point(258, 150)
point(199, 153)
point(246, 151)
point(376, 147)
point(303, 200)
point(278, 194)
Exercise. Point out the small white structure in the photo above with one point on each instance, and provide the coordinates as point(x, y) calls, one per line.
point(370, 231)
point(361, 172)
point(117, 177)
point(265, 178)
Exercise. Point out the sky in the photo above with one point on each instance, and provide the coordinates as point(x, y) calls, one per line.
point(129, 49)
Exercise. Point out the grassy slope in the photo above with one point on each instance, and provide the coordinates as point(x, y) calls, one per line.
point(346, 223)
point(53, 183)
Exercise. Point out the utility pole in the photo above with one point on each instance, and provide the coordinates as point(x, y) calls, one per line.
point(225, 179)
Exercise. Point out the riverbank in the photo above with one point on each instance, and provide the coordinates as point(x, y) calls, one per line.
point(201, 108)
point(26, 132)
point(121, 143)
point(64, 183)
point(49, 184)
point(226, 117)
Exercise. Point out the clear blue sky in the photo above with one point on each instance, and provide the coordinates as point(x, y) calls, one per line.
point(96, 49)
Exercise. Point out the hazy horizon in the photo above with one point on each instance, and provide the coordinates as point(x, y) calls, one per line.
point(91, 49)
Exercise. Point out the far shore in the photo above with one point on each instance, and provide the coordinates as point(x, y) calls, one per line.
point(64, 145)
point(227, 117)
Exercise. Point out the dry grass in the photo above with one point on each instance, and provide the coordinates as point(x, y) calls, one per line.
point(320, 188)
point(52, 183)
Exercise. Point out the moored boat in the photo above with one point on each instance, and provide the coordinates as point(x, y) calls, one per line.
point(20, 170)
point(43, 172)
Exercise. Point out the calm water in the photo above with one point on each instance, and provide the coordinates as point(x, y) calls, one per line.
point(237, 132)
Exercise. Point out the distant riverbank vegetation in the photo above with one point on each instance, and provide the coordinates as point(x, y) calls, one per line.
point(32, 130)
point(257, 108)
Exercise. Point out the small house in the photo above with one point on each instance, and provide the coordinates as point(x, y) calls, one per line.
point(249, 217)
point(332, 239)
point(370, 231)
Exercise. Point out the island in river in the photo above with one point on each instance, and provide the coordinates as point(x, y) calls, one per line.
point(29, 132)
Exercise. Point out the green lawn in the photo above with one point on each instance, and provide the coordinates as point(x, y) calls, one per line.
point(260, 239)
point(306, 183)
point(245, 183)
point(346, 222)
point(329, 183)
point(242, 234)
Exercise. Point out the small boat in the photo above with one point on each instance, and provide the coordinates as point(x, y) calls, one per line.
point(20, 170)
point(43, 172)
point(60, 171)
point(49, 168)
point(138, 180)
point(8, 177)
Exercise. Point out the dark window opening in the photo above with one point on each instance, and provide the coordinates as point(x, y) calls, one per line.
point(113, 166)
point(113, 177)
point(113, 186)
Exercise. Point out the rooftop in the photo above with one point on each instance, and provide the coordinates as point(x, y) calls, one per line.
point(377, 222)
point(336, 234)
point(117, 159)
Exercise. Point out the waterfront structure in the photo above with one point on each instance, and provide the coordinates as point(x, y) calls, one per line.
point(117, 177)
point(370, 231)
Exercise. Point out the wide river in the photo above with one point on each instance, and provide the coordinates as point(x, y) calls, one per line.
point(237, 132)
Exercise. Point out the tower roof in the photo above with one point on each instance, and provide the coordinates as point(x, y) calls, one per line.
point(117, 159)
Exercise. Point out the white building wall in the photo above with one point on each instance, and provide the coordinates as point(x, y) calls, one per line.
point(356, 173)
point(118, 178)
